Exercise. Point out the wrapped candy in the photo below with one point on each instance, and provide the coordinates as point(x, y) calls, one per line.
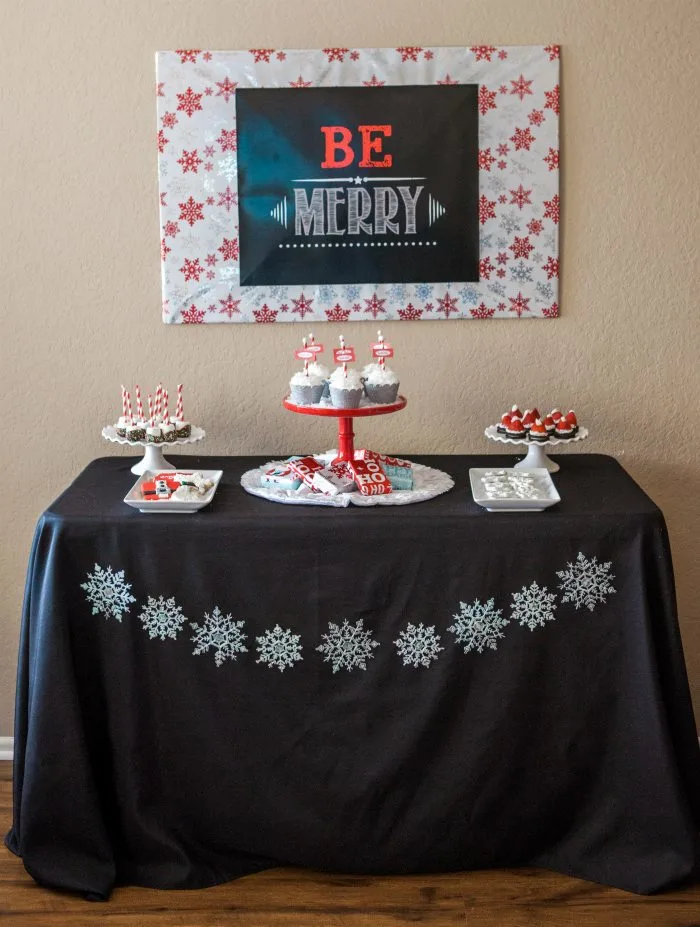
point(334, 479)
point(400, 477)
point(280, 476)
point(305, 468)
point(383, 459)
point(370, 477)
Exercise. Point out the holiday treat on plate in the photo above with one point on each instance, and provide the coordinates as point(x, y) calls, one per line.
point(180, 487)
point(369, 473)
point(533, 426)
point(157, 427)
point(306, 387)
point(381, 383)
point(345, 385)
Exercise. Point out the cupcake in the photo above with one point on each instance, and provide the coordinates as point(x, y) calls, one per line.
point(306, 388)
point(564, 428)
point(516, 429)
point(320, 370)
point(538, 432)
point(345, 388)
point(381, 384)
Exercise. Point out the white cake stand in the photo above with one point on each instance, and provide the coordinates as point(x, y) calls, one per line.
point(536, 456)
point(153, 455)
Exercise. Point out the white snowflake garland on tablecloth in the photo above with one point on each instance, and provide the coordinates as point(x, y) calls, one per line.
point(478, 625)
point(279, 648)
point(532, 606)
point(162, 618)
point(107, 592)
point(418, 645)
point(518, 162)
point(347, 646)
point(220, 633)
point(586, 582)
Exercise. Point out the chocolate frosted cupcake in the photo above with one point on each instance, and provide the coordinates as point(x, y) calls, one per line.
point(306, 388)
point(345, 388)
point(381, 384)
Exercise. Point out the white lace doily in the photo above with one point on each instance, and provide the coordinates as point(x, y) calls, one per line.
point(427, 483)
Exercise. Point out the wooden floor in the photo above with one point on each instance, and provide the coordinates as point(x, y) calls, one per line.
point(296, 898)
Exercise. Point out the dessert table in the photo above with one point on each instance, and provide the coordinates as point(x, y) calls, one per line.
point(370, 690)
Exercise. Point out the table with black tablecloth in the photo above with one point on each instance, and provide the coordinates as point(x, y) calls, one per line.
point(369, 690)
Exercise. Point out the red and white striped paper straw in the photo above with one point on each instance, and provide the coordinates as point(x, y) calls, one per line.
point(128, 406)
point(123, 401)
point(166, 413)
point(139, 404)
point(150, 410)
point(178, 407)
point(159, 400)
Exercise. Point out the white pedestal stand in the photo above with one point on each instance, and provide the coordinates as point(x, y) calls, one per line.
point(536, 456)
point(153, 453)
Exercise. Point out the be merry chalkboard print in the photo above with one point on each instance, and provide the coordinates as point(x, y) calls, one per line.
point(363, 184)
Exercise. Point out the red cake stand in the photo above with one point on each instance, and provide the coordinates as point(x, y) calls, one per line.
point(346, 436)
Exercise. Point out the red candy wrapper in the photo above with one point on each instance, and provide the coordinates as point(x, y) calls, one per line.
point(305, 468)
point(334, 479)
point(370, 477)
point(365, 454)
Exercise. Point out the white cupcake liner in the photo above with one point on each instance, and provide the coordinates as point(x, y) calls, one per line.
point(306, 395)
point(384, 393)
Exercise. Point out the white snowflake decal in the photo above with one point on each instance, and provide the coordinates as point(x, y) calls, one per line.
point(418, 645)
point(221, 633)
point(162, 618)
point(279, 648)
point(347, 646)
point(533, 606)
point(107, 592)
point(478, 626)
point(586, 582)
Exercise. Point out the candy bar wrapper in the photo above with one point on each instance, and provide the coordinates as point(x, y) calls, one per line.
point(305, 468)
point(399, 477)
point(383, 459)
point(370, 477)
point(280, 476)
point(334, 479)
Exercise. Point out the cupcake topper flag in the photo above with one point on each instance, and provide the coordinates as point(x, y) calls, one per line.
point(381, 350)
point(343, 354)
point(315, 348)
point(305, 354)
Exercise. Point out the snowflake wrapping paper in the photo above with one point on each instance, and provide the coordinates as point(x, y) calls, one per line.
point(253, 230)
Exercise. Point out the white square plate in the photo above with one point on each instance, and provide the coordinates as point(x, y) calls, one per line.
point(545, 491)
point(135, 499)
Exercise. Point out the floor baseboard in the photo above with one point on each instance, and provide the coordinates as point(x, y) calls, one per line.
point(7, 748)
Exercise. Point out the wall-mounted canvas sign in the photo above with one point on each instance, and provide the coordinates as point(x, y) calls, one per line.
point(359, 184)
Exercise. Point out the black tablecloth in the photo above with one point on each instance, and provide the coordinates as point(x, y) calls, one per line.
point(384, 690)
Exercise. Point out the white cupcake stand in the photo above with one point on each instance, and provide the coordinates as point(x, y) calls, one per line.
point(536, 456)
point(153, 453)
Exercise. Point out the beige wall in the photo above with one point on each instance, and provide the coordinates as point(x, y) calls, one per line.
point(79, 251)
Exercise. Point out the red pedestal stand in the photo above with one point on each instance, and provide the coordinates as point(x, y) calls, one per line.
point(346, 436)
